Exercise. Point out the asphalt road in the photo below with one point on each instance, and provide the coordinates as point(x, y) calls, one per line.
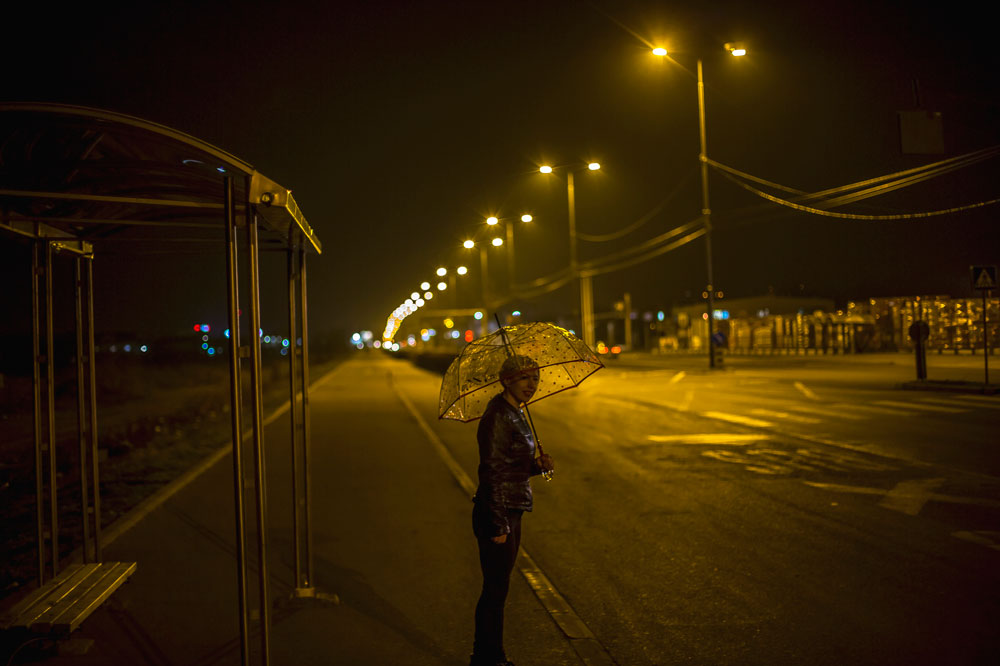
point(775, 512)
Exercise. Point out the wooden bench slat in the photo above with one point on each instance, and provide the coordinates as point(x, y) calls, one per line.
point(72, 617)
point(47, 596)
point(93, 574)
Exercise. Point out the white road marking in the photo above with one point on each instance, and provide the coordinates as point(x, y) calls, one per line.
point(958, 403)
point(676, 378)
point(836, 413)
point(878, 410)
point(805, 391)
point(919, 406)
point(909, 497)
point(795, 418)
point(736, 418)
point(686, 402)
point(709, 438)
point(984, 538)
point(978, 398)
point(937, 497)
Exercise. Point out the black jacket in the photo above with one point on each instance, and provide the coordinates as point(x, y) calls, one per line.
point(506, 461)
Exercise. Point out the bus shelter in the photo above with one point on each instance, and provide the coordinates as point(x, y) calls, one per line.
point(71, 178)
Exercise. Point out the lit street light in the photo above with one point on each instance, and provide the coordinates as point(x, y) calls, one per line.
point(706, 210)
point(586, 287)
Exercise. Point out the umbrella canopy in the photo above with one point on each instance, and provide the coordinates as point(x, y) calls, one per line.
point(473, 378)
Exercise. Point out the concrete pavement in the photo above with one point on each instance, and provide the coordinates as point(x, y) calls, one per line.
point(394, 556)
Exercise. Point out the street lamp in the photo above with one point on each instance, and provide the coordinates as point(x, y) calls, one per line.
point(736, 50)
point(586, 288)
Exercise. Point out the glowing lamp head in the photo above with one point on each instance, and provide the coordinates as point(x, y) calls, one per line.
point(546, 169)
point(425, 285)
point(594, 166)
point(491, 220)
point(461, 270)
point(736, 49)
point(659, 51)
point(442, 286)
point(497, 242)
point(468, 245)
point(526, 218)
point(441, 272)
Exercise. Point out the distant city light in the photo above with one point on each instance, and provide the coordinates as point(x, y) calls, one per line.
point(284, 343)
point(478, 315)
point(442, 286)
point(425, 285)
point(144, 349)
point(441, 272)
point(211, 351)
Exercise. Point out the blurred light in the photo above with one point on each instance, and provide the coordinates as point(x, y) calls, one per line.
point(455, 334)
point(720, 314)
point(267, 338)
point(497, 242)
point(546, 169)
point(442, 286)
point(526, 218)
point(616, 349)
point(461, 270)
point(414, 296)
point(128, 348)
point(205, 328)
point(366, 336)
point(441, 272)
point(468, 335)
point(204, 338)
point(449, 322)
point(284, 352)
point(395, 346)
point(211, 351)
point(144, 349)
point(659, 51)
point(411, 340)
point(197, 328)
point(431, 332)
point(736, 49)
point(420, 302)
point(704, 315)
point(226, 333)
point(425, 285)
point(377, 344)
point(204, 345)
point(515, 313)
point(285, 342)
point(359, 345)
point(491, 220)
point(478, 315)
point(660, 316)
point(429, 295)
point(469, 244)
point(594, 166)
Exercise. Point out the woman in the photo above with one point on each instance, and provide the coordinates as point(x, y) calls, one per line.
point(506, 461)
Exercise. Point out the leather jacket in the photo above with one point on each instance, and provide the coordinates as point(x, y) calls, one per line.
point(506, 462)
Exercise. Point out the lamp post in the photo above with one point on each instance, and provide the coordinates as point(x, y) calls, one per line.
point(509, 230)
point(586, 288)
point(706, 209)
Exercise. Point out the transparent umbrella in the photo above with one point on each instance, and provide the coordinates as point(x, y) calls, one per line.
point(473, 378)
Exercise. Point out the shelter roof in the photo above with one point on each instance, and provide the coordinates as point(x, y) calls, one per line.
point(82, 175)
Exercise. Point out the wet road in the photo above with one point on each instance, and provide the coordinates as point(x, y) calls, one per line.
point(763, 515)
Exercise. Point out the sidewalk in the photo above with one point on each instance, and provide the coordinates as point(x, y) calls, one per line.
point(393, 553)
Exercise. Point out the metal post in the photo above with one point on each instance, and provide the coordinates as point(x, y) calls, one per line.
point(51, 391)
point(92, 399)
point(36, 382)
point(293, 375)
point(306, 442)
point(628, 321)
point(235, 397)
point(706, 213)
point(587, 309)
point(510, 256)
point(80, 415)
point(258, 434)
point(986, 342)
point(484, 269)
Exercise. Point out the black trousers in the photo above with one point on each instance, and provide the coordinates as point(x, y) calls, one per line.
point(497, 562)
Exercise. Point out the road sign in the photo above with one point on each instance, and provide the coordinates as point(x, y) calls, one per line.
point(919, 331)
point(983, 277)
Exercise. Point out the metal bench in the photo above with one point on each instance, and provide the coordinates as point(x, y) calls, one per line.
point(59, 606)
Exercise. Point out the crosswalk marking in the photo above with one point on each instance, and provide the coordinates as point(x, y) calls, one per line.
point(736, 418)
point(805, 391)
point(795, 418)
point(921, 406)
point(676, 378)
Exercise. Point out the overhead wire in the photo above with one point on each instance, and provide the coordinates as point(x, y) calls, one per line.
point(656, 210)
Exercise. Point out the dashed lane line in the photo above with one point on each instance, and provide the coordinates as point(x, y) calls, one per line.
point(785, 416)
point(921, 406)
point(912, 494)
point(709, 438)
point(676, 378)
point(835, 413)
point(877, 410)
point(583, 641)
point(959, 403)
point(736, 418)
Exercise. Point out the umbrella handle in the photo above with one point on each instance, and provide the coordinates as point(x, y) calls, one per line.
point(547, 475)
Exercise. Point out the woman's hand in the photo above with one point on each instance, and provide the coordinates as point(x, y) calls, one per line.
point(499, 539)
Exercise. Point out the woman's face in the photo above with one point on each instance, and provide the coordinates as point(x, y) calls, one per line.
point(523, 385)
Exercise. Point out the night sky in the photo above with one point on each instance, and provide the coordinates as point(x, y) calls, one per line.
point(401, 125)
